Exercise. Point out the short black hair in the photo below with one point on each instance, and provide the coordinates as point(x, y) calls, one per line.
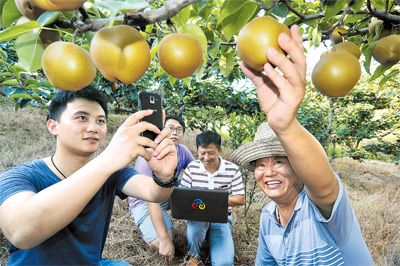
point(208, 137)
point(177, 118)
point(62, 98)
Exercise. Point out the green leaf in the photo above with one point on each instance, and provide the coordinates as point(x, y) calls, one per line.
point(2, 2)
point(233, 24)
point(280, 10)
point(20, 96)
point(367, 51)
point(29, 49)
point(182, 17)
point(227, 62)
point(353, 18)
point(10, 13)
point(15, 31)
point(333, 10)
point(394, 73)
point(10, 82)
point(3, 55)
point(213, 50)
point(202, 8)
point(357, 5)
point(229, 8)
point(48, 17)
point(187, 81)
point(378, 72)
point(378, 4)
point(172, 80)
point(160, 72)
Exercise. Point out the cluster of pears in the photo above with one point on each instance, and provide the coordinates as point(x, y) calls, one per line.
point(334, 75)
point(338, 70)
point(120, 53)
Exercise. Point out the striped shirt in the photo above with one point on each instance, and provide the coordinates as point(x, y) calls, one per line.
point(228, 177)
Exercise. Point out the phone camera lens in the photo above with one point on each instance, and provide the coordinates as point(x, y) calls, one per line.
point(152, 100)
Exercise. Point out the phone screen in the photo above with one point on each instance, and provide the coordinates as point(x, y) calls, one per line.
point(151, 101)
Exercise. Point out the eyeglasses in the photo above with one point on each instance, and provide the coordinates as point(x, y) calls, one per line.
point(178, 130)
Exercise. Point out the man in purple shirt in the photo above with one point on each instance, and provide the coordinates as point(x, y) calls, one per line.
point(152, 218)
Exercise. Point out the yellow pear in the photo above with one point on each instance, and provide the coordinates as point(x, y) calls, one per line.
point(348, 47)
point(256, 37)
point(68, 66)
point(387, 50)
point(120, 53)
point(28, 9)
point(180, 55)
point(336, 73)
point(58, 4)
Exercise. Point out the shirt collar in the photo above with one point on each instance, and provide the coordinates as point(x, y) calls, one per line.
point(299, 202)
point(221, 168)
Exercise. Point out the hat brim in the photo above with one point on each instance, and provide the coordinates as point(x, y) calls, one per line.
point(252, 151)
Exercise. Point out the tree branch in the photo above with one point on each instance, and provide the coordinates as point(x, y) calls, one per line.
point(395, 19)
point(141, 19)
point(301, 16)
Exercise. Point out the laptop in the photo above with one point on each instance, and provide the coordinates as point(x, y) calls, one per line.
point(199, 205)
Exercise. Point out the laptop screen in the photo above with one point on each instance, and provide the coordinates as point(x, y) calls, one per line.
point(199, 205)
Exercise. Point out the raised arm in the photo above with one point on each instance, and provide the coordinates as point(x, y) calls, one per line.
point(280, 96)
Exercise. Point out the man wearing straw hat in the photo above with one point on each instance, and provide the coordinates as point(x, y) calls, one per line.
point(310, 219)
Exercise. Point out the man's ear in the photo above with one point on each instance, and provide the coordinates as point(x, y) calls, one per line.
point(52, 127)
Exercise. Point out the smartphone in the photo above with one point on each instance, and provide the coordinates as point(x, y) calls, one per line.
point(151, 101)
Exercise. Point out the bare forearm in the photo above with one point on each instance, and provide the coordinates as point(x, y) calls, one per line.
point(157, 218)
point(309, 161)
point(237, 200)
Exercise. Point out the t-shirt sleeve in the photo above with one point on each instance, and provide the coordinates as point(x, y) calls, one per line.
point(16, 180)
point(142, 166)
point(188, 156)
point(340, 223)
point(124, 175)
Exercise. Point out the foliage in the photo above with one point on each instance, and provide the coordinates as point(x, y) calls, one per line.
point(366, 114)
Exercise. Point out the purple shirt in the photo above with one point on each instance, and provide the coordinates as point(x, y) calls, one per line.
point(184, 158)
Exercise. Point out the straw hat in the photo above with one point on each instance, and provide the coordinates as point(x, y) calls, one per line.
point(265, 144)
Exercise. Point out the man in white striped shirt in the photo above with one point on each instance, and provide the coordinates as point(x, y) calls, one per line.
point(212, 172)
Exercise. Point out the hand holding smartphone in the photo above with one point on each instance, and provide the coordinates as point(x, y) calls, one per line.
point(151, 101)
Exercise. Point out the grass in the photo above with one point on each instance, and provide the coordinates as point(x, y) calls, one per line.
point(373, 186)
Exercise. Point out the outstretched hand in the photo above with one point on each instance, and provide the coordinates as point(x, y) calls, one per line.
point(280, 94)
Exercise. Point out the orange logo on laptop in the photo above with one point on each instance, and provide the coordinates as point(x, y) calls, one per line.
point(198, 204)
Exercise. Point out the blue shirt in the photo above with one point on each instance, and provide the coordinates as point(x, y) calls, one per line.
point(82, 241)
point(309, 238)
